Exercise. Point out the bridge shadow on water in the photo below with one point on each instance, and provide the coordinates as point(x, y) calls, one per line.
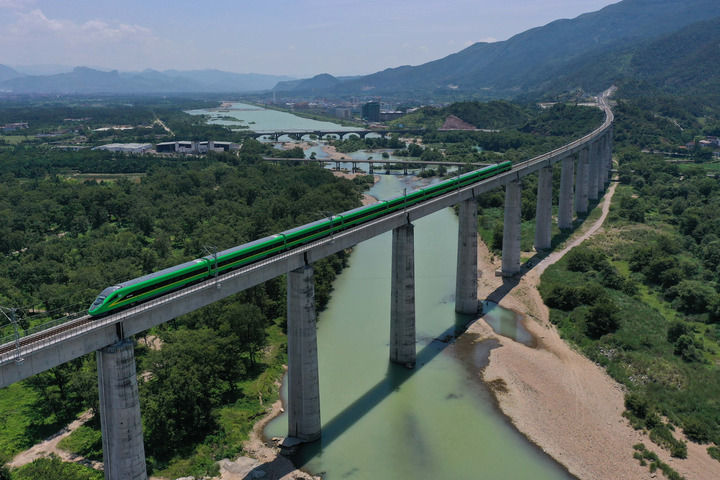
point(397, 375)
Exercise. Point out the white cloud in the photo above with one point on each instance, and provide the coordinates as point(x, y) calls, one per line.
point(33, 22)
point(16, 4)
point(36, 38)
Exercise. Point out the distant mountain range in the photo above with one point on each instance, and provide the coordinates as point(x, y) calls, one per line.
point(83, 80)
point(588, 52)
point(670, 45)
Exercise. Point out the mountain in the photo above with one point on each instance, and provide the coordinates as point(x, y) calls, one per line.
point(87, 80)
point(321, 82)
point(680, 62)
point(220, 81)
point(534, 57)
point(7, 73)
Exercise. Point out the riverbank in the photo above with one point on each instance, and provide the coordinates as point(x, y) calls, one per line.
point(559, 399)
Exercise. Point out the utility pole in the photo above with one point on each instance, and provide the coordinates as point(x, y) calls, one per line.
point(211, 250)
point(11, 315)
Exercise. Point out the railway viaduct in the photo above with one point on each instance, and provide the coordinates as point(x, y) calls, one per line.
point(585, 165)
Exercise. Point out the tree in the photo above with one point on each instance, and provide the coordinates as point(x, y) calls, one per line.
point(601, 319)
point(195, 372)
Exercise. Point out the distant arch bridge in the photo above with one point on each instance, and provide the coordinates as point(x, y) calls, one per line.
point(341, 134)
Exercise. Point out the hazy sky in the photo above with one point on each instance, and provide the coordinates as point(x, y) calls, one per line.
point(294, 37)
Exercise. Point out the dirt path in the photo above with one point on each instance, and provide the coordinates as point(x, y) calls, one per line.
point(50, 446)
point(558, 398)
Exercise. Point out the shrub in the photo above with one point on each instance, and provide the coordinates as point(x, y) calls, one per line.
point(584, 259)
point(714, 452)
point(688, 349)
point(696, 430)
point(677, 329)
point(637, 405)
point(602, 319)
point(664, 437)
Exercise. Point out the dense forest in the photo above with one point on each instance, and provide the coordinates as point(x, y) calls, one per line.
point(66, 239)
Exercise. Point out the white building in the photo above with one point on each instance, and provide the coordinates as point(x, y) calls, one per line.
point(126, 147)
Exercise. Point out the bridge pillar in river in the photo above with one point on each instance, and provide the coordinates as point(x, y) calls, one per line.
point(582, 183)
point(543, 209)
point(466, 299)
point(303, 380)
point(511, 229)
point(122, 436)
point(565, 210)
point(402, 296)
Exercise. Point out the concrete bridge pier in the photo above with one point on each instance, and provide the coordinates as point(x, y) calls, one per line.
point(565, 210)
point(582, 183)
point(593, 170)
point(466, 299)
point(303, 380)
point(605, 168)
point(122, 436)
point(402, 296)
point(608, 157)
point(599, 167)
point(543, 209)
point(511, 229)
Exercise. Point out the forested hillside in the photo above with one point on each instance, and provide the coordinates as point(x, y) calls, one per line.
point(680, 63)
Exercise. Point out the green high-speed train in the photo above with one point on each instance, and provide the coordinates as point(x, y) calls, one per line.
point(158, 283)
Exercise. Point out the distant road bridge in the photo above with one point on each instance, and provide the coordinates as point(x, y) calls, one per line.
point(584, 167)
point(372, 162)
point(341, 134)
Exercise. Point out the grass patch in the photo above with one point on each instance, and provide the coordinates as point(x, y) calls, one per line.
point(12, 139)
point(16, 402)
point(85, 441)
point(53, 468)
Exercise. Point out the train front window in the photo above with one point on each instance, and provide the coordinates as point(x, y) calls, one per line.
point(103, 295)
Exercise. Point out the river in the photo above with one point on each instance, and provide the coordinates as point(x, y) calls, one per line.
point(383, 421)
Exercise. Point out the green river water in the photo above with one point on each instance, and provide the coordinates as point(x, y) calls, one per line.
point(381, 421)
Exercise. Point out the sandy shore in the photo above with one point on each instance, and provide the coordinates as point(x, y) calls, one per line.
point(559, 399)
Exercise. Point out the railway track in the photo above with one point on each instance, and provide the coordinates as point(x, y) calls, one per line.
point(45, 334)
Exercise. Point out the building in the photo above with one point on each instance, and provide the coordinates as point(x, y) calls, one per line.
point(11, 127)
point(371, 112)
point(388, 115)
point(126, 147)
point(344, 113)
point(188, 147)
